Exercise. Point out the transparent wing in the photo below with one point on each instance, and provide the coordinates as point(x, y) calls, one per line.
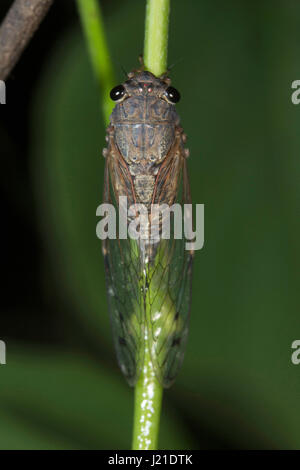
point(157, 294)
point(169, 293)
point(123, 281)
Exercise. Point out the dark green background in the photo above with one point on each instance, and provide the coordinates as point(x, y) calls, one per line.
point(61, 387)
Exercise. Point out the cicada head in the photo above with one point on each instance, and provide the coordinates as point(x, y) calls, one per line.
point(145, 84)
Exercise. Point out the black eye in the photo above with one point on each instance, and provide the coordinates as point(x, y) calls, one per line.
point(117, 93)
point(172, 94)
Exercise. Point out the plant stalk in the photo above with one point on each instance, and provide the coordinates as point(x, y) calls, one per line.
point(147, 407)
point(156, 36)
point(148, 391)
point(94, 31)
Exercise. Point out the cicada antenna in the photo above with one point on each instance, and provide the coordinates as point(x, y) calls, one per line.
point(116, 62)
point(165, 76)
point(141, 61)
point(140, 69)
point(174, 63)
point(124, 71)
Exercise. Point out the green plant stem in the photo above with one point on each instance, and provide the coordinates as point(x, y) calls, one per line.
point(156, 36)
point(148, 391)
point(147, 406)
point(93, 27)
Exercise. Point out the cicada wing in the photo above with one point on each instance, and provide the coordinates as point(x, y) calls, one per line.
point(170, 292)
point(122, 267)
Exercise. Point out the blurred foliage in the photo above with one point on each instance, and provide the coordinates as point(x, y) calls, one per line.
point(237, 388)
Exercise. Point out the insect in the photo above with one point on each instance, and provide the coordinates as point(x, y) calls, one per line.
point(148, 283)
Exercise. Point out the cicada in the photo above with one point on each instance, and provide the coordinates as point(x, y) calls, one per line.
point(148, 282)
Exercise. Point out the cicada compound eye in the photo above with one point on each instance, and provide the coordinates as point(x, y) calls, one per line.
point(172, 95)
point(117, 93)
